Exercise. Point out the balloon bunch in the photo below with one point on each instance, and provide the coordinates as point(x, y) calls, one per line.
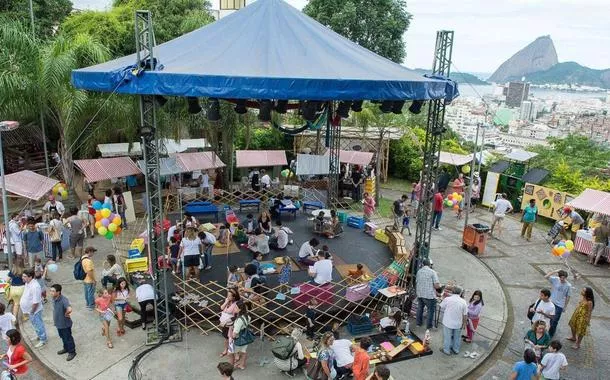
point(286, 172)
point(453, 200)
point(60, 189)
point(563, 249)
point(106, 223)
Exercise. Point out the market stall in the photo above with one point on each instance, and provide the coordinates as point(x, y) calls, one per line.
point(594, 201)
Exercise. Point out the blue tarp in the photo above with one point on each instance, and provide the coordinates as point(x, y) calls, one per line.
point(267, 50)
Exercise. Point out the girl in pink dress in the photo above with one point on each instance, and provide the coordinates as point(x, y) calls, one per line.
point(369, 206)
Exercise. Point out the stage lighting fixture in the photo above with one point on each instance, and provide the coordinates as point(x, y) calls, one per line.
point(160, 100)
point(264, 113)
point(386, 106)
point(397, 106)
point(240, 107)
point(194, 107)
point(357, 105)
point(281, 106)
point(309, 110)
point(343, 109)
point(416, 106)
point(213, 113)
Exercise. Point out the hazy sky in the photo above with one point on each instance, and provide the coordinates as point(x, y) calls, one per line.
point(487, 32)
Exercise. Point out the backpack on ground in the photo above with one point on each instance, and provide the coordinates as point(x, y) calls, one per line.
point(79, 271)
point(283, 347)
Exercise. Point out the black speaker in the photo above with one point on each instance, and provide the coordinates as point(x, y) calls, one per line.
point(213, 113)
point(194, 107)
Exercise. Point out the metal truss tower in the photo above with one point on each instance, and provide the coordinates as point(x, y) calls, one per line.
point(432, 147)
point(334, 144)
point(166, 327)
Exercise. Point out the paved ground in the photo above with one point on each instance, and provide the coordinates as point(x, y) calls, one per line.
point(519, 268)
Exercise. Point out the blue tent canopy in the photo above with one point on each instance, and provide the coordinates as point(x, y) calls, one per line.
point(267, 50)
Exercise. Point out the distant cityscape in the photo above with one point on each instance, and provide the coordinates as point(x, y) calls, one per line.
point(519, 115)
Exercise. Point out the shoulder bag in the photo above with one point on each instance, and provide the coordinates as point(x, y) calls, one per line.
point(245, 336)
point(315, 370)
point(530, 314)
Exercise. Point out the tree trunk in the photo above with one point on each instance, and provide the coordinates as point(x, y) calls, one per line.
point(67, 162)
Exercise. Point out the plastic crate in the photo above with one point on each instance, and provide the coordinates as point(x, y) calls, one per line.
point(382, 236)
point(355, 222)
point(139, 264)
point(359, 325)
point(342, 215)
point(378, 283)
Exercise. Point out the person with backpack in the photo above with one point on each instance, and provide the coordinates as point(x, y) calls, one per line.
point(288, 352)
point(56, 229)
point(33, 239)
point(241, 336)
point(84, 270)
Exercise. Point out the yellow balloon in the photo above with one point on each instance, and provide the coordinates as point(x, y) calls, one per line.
point(455, 195)
point(117, 221)
point(106, 212)
point(569, 245)
point(102, 230)
point(112, 227)
point(98, 224)
point(64, 194)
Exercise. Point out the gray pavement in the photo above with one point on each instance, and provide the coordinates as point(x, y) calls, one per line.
point(509, 274)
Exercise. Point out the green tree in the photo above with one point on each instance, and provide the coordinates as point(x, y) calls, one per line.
point(48, 14)
point(115, 27)
point(376, 25)
point(35, 75)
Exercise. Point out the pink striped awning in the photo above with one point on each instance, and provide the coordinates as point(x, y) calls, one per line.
point(28, 184)
point(260, 158)
point(592, 201)
point(199, 161)
point(354, 157)
point(107, 168)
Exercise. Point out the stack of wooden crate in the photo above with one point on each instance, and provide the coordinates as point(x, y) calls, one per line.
point(396, 243)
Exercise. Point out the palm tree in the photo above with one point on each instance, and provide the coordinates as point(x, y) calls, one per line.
point(35, 76)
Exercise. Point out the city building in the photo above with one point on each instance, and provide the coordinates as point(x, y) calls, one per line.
point(516, 93)
point(520, 141)
point(526, 110)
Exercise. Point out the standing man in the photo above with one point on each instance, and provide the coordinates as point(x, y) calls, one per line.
point(204, 184)
point(454, 318)
point(63, 321)
point(438, 210)
point(600, 235)
point(399, 212)
point(544, 309)
point(33, 240)
point(77, 226)
point(357, 178)
point(426, 285)
point(53, 206)
point(501, 207)
point(31, 303)
point(530, 212)
point(561, 290)
point(417, 196)
point(89, 281)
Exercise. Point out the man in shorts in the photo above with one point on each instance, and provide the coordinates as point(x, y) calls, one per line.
point(501, 207)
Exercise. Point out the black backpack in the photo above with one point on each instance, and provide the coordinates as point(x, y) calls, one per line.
point(282, 348)
point(79, 271)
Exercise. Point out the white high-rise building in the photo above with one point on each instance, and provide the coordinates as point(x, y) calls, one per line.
point(526, 110)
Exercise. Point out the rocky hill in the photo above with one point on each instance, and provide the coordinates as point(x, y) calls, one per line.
point(538, 56)
point(570, 73)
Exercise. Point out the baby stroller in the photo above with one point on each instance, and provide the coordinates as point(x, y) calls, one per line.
point(552, 236)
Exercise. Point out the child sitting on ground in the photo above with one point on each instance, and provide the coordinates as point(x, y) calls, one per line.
point(285, 272)
point(40, 274)
point(234, 278)
point(240, 235)
point(256, 261)
point(333, 226)
point(357, 273)
point(224, 235)
point(250, 224)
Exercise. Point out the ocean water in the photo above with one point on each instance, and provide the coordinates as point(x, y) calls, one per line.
point(467, 90)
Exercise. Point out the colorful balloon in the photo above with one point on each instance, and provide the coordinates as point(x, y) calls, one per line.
point(561, 243)
point(98, 224)
point(102, 230)
point(52, 267)
point(112, 227)
point(109, 235)
point(105, 222)
point(98, 216)
point(118, 231)
point(97, 205)
point(466, 169)
point(117, 220)
point(456, 207)
point(569, 245)
point(107, 205)
point(106, 212)
point(566, 254)
point(450, 197)
point(60, 189)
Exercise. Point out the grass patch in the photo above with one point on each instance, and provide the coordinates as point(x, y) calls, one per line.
point(397, 184)
point(385, 207)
